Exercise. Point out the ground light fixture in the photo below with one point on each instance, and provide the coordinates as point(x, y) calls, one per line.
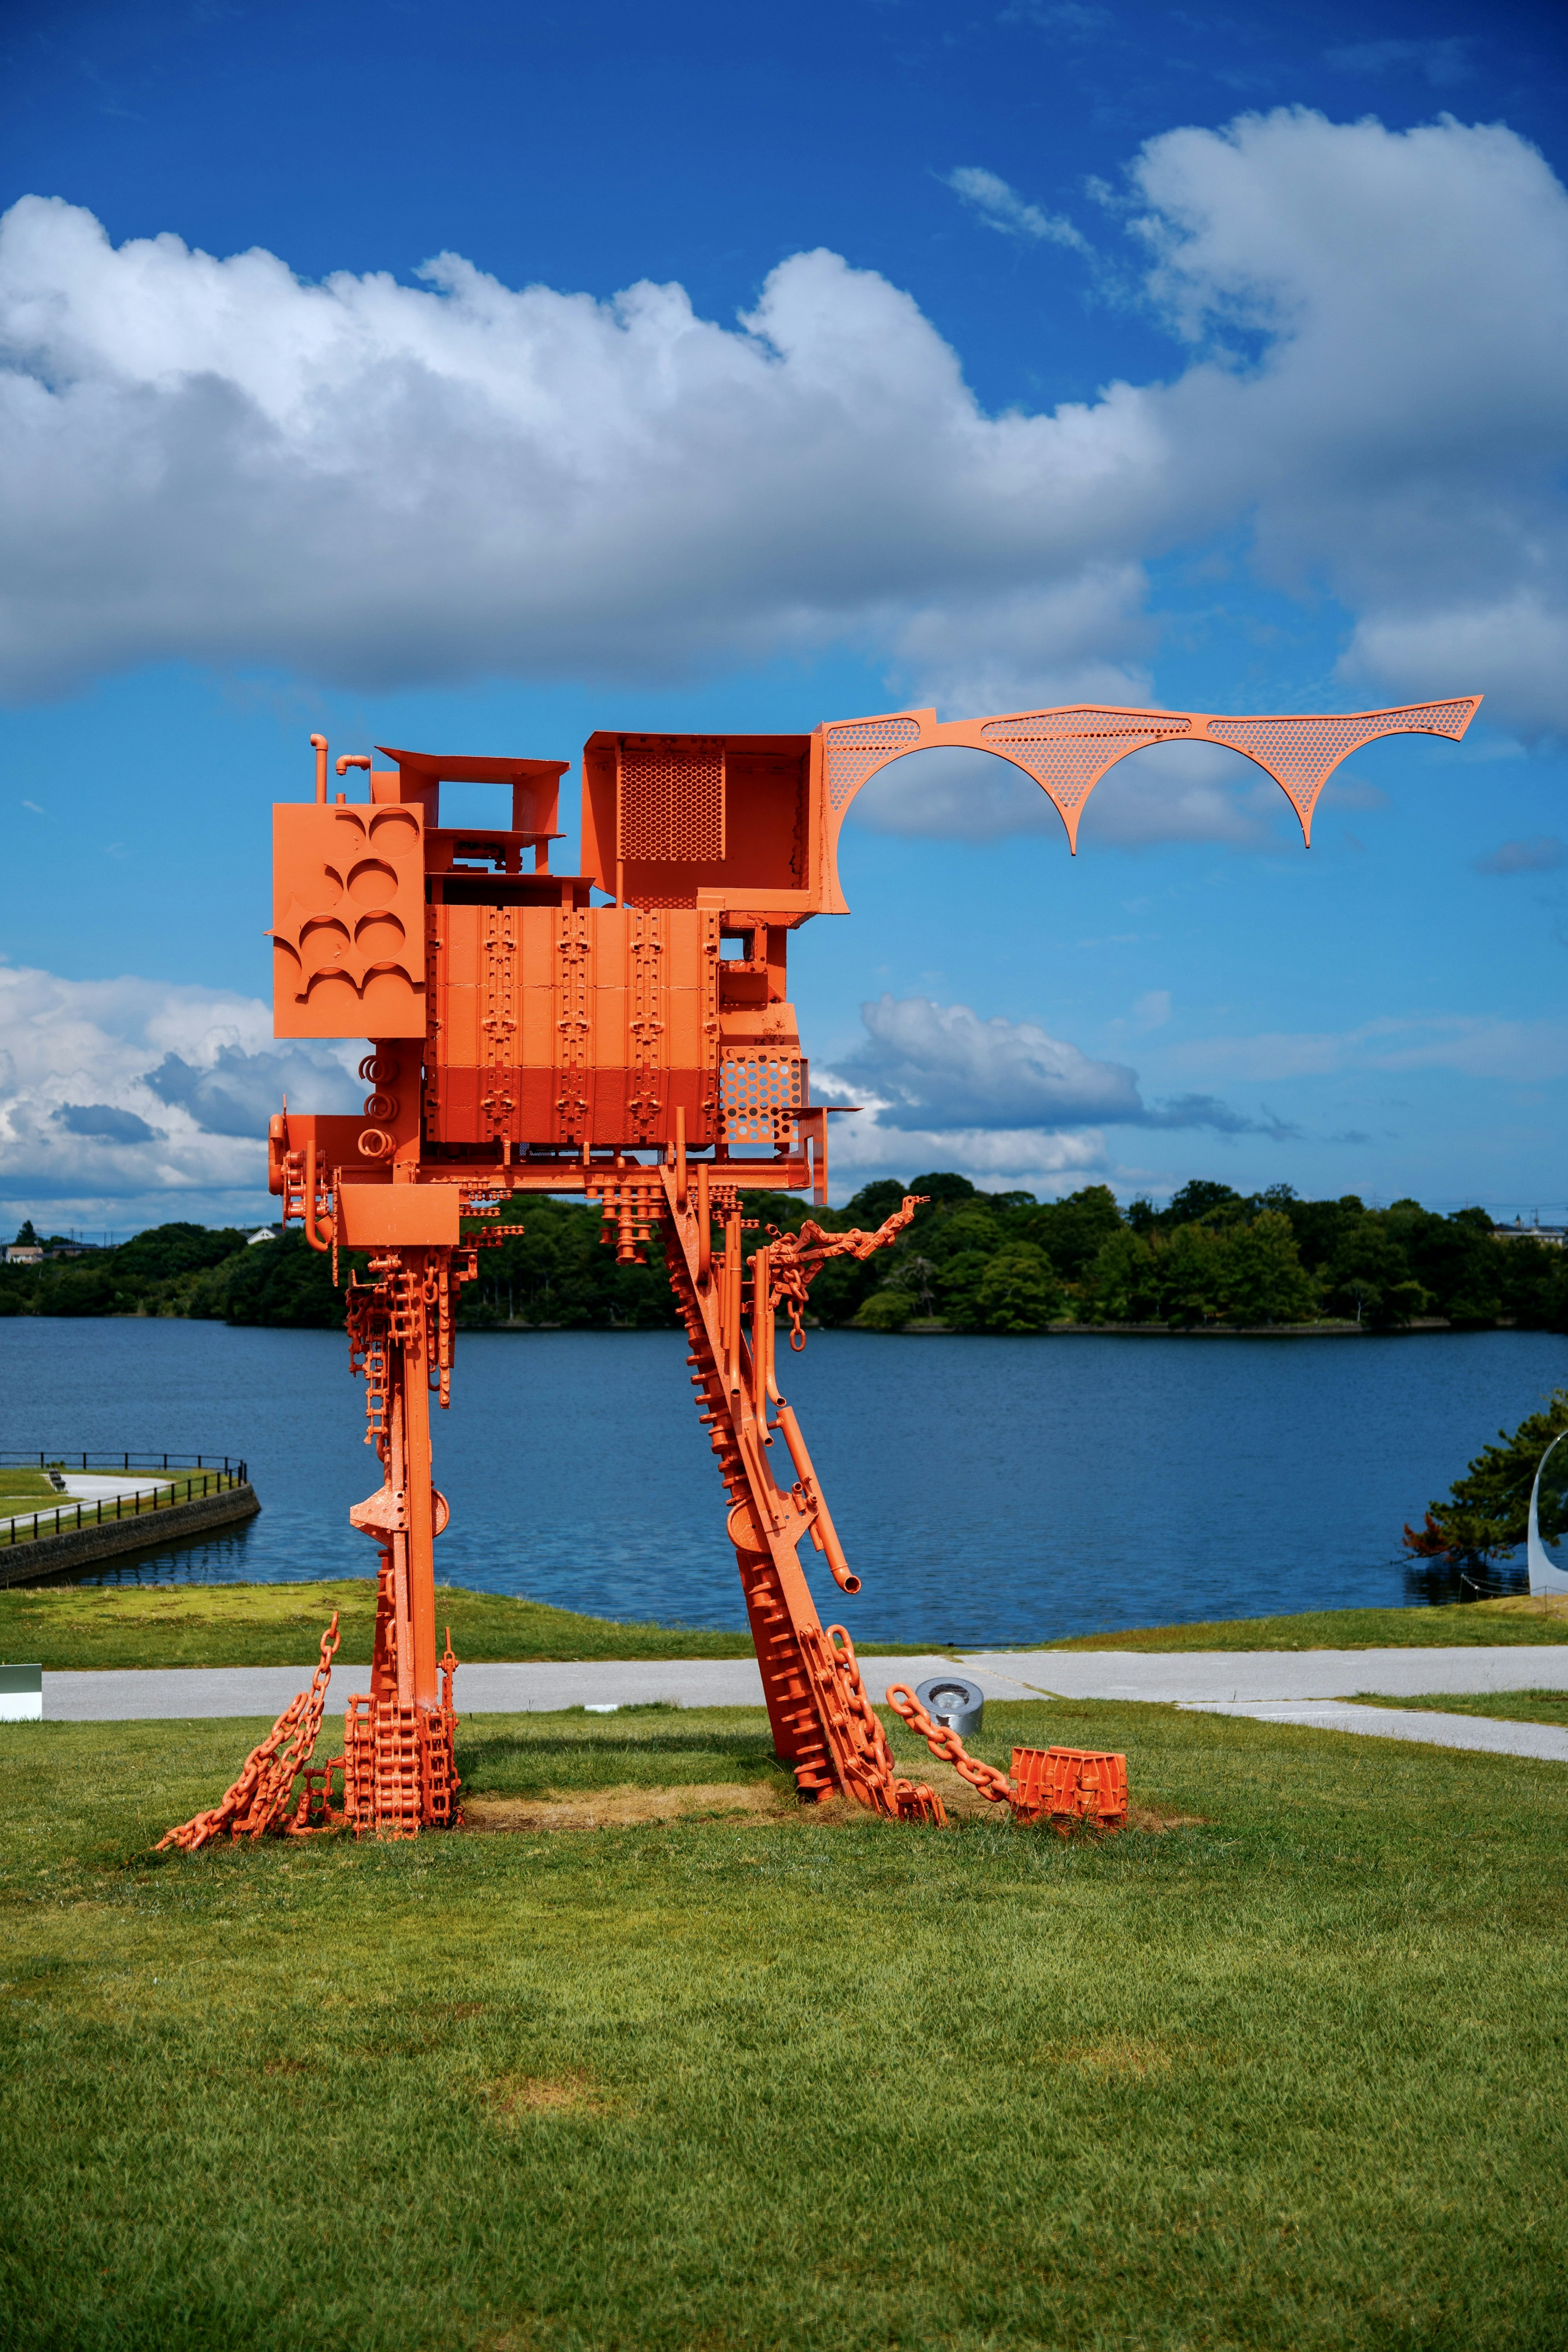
point(958, 1706)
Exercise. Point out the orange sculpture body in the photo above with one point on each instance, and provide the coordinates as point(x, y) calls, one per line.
point(642, 1053)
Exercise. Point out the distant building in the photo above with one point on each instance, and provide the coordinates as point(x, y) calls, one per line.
point(24, 1253)
point(262, 1234)
point(1553, 1236)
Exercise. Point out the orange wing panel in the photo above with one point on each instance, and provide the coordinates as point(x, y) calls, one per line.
point(1068, 750)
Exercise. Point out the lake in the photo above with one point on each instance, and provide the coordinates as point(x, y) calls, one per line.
point(986, 1490)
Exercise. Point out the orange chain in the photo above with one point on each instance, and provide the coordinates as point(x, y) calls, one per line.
point(947, 1746)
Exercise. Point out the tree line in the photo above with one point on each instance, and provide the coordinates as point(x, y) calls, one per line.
point(1003, 1263)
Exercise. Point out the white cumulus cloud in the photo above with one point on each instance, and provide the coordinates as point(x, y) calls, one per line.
point(937, 1068)
point(129, 1102)
point(367, 481)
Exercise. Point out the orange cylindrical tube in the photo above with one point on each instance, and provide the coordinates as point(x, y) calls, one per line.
point(311, 1236)
point(733, 1269)
point(760, 1320)
point(833, 1551)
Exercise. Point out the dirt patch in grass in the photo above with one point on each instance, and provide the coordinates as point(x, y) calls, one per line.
point(724, 1803)
point(625, 1807)
point(1122, 2054)
point(510, 2097)
point(1150, 1819)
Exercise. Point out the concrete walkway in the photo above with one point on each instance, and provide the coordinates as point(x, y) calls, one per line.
point(1208, 1677)
point(1473, 1731)
point(85, 1488)
point(1271, 1686)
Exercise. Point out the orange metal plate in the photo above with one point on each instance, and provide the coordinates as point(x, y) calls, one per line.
point(348, 936)
point(398, 1216)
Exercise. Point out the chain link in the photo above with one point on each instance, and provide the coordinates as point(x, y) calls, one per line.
point(948, 1749)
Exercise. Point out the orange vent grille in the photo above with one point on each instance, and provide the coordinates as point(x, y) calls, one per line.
point(760, 1095)
point(670, 806)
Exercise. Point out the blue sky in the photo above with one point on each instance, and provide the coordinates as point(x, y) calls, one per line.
point(472, 377)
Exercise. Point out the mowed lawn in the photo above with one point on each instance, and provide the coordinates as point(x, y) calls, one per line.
point(77, 1626)
point(1290, 2074)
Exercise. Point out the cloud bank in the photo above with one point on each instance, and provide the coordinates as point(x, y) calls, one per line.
point(129, 1102)
point(935, 1067)
point(367, 482)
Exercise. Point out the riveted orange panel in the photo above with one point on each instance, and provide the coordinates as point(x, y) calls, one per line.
point(348, 921)
point(557, 1027)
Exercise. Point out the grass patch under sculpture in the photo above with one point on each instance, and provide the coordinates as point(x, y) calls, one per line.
point(1290, 2075)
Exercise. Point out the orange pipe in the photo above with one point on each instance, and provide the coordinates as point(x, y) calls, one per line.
point(311, 1233)
point(843, 1574)
point(318, 745)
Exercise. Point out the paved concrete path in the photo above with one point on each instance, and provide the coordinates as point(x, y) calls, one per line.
point(1205, 1677)
point(1277, 1686)
point(114, 1695)
point(1473, 1731)
point(84, 1489)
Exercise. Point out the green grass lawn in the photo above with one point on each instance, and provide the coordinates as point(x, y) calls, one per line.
point(1503, 1707)
point(1470, 1624)
point(68, 1625)
point(1290, 2075)
point(20, 1488)
point(281, 1624)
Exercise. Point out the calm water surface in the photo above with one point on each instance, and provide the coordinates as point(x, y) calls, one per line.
point(986, 1490)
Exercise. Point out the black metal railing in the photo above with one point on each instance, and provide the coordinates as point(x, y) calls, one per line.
point(42, 1460)
point(207, 1479)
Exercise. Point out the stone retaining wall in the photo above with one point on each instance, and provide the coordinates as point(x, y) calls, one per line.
point(29, 1562)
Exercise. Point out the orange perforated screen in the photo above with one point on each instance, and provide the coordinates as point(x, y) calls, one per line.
point(671, 803)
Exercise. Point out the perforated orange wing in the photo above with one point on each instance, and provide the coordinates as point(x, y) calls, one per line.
point(1068, 750)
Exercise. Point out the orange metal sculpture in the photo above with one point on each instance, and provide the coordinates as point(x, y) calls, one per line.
point(641, 1052)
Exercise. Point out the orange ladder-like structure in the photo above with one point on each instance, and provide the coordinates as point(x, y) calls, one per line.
point(641, 1052)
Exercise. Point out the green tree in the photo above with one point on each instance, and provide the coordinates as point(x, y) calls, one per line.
point(1368, 1275)
point(1261, 1276)
point(1120, 1286)
point(1073, 1231)
point(889, 1308)
point(1204, 1200)
point(1019, 1291)
point(27, 1238)
point(1190, 1276)
point(1488, 1510)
